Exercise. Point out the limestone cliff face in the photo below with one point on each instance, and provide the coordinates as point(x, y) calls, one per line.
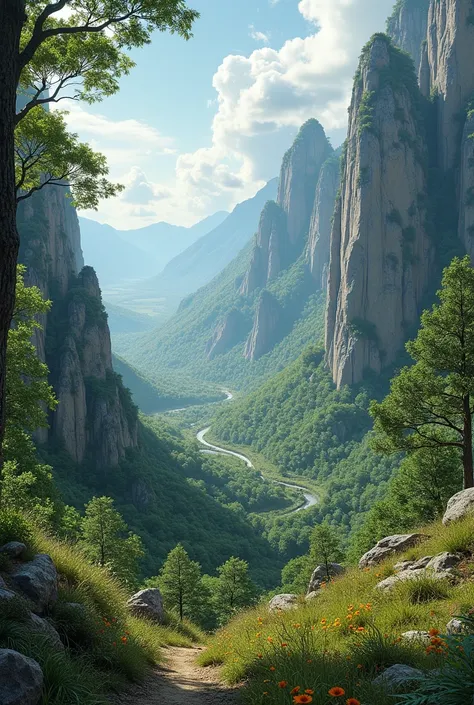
point(270, 250)
point(265, 328)
point(95, 417)
point(227, 334)
point(466, 204)
point(380, 252)
point(451, 77)
point(321, 221)
point(408, 26)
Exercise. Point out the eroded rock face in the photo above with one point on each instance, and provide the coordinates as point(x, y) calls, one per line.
point(320, 575)
point(319, 239)
point(389, 546)
point(227, 334)
point(283, 602)
point(380, 251)
point(466, 188)
point(459, 506)
point(149, 604)
point(38, 581)
point(449, 56)
point(265, 331)
point(408, 26)
point(270, 253)
point(21, 679)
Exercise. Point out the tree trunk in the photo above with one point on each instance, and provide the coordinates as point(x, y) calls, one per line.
point(467, 449)
point(12, 17)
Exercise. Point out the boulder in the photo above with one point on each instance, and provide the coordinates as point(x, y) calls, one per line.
point(459, 506)
point(38, 580)
point(388, 546)
point(398, 675)
point(402, 565)
point(444, 561)
point(456, 626)
point(5, 595)
point(14, 549)
point(283, 602)
point(38, 624)
point(394, 580)
point(417, 636)
point(149, 604)
point(320, 575)
point(21, 679)
point(312, 595)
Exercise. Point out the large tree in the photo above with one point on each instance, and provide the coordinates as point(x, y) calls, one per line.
point(180, 583)
point(431, 403)
point(50, 51)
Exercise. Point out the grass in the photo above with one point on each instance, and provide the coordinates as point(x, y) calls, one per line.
point(349, 633)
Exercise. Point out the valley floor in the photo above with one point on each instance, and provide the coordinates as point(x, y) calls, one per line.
point(180, 682)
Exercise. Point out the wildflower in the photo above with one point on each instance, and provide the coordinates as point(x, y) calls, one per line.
point(272, 668)
point(350, 617)
point(259, 655)
point(310, 660)
point(282, 684)
point(336, 692)
point(359, 665)
point(361, 629)
point(350, 608)
point(270, 639)
point(284, 645)
point(308, 691)
point(436, 641)
point(302, 699)
point(433, 632)
point(265, 692)
point(258, 635)
point(368, 606)
point(357, 613)
point(266, 680)
point(324, 621)
point(352, 701)
point(295, 690)
point(123, 639)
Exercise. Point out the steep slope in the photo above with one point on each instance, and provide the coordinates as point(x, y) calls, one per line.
point(380, 250)
point(408, 25)
point(202, 261)
point(267, 304)
point(95, 416)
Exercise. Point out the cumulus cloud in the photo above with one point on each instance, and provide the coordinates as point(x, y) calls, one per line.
point(139, 190)
point(258, 36)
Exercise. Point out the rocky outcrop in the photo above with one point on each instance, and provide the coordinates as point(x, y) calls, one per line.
point(265, 331)
point(42, 626)
point(38, 581)
point(389, 546)
point(21, 679)
point(449, 57)
point(320, 575)
point(283, 603)
point(417, 637)
point(456, 626)
point(13, 549)
point(408, 26)
point(466, 187)
point(398, 676)
point(149, 604)
point(319, 238)
point(270, 251)
point(227, 334)
point(380, 251)
point(460, 506)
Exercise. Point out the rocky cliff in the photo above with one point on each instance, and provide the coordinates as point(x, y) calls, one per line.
point(266, 326)
point(321, 221)
point(227, 334)
point(380, 251)
point(408, 26)
point(466, 188)
point(95, 418)
point(270, 250)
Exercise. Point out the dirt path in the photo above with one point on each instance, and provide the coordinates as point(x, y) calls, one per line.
point(180, 682)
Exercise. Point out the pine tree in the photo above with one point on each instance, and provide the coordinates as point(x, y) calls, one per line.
point(325, 547)
point(234, 588)
point(180, 583)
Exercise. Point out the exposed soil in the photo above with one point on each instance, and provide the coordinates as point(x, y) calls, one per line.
point(180, 682)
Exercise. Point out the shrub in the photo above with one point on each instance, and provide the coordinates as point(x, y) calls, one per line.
point(425, 589)
point(14, 527)
point(376, 651)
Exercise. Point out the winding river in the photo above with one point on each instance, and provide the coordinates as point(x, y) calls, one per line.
point(310, 500)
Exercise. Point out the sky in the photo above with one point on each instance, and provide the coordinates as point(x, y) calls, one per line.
point(200, 126)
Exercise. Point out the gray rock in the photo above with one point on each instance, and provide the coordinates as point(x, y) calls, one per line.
point(421, 563)
point(388, 546)
point(402, 565)
point(398, 675)
point(417, 636)
point(38, 624)
point(456, 626)
point(320, 575)
point(38, 580)
point(459, 506)
point(444, 561)
point(3, 584)
point(283, 602)
point(149, 604)
point(394, 580)
point(21, 679)
point(6, 595)
point(312, 595)
point(14, 549)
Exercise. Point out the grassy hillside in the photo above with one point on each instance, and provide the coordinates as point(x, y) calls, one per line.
point(351, 632)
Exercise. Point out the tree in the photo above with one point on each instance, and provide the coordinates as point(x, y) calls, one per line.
point(44, 58)
point(430, 404)
point(180, 583)
point(105, 540)
point(27, 484)
point(234, 588)
point(325, 547)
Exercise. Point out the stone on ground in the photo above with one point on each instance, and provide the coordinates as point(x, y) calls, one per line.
point(459, 506)
point(283, 602)
point(398, 675)
point(21, 679)
point(320, 575)
point(149, 604)
point(388, 546)
point(38, 581)
point(14, 549)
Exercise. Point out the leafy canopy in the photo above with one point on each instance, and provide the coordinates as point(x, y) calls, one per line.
point(77, 50)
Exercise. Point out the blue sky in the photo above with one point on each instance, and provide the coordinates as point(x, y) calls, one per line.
point(199, 126)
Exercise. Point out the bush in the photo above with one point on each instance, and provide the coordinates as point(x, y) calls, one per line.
point(14, 527)
point(425, 589)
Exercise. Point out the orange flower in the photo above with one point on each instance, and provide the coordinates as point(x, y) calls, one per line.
point(324, 621)
point(308, 691)
point(282, 684)
point(123, 639)
point(272, 668)
point(350, 608)
point(337, 692)
point(270, 639)
point(259, 655)
point(360, 629)
point(284, 644)
point(295, 690)
point(352, 701)
point(433, 632)
point(310, 660)
point(436, 641)
point(300, 699)
point(359, 665)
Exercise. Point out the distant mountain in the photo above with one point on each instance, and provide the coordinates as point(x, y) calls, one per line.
point(208, 256)
point(120, 256)
point(122, 320)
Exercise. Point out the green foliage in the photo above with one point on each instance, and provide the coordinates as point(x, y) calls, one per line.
point(234, 588)
point(325, 547)
point(366, 112)
point(180, 583)
point(105, 542)
point(361, 328)
point(424, 589)
point(430, 402)
point(14, 527)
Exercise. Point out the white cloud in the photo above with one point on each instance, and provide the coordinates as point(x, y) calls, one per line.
point(258, 36)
